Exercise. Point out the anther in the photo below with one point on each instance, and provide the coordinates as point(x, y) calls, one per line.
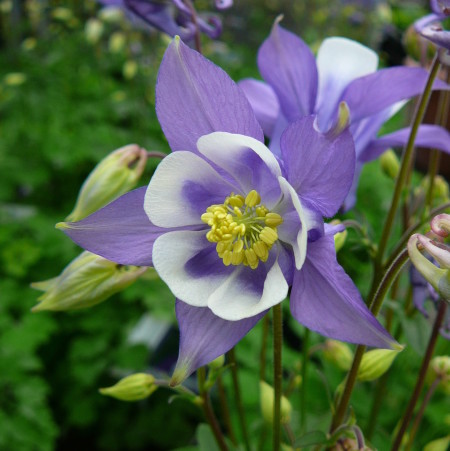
point(253, 198)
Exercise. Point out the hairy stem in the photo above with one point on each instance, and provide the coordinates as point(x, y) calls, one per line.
point(208, 410)
point(421, 377)
point(238, 398)
point(277, 374)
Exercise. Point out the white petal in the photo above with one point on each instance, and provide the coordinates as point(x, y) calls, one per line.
point(247, 160)
point(339, 61)
point(182, 188)
point(234, 300)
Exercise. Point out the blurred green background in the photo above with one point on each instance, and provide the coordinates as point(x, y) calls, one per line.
point(75, 85)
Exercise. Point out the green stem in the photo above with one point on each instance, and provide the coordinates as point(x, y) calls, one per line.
point(375, 306)
point(277, 374)
point(419, 416)
point(225, 410)
point(208, 410)
point(406, 162)
point(421, 377)
point(377, 402)
point(262, 355)
point(238, 398)
point(305, 360)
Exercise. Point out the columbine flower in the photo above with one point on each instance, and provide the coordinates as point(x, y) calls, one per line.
point(229, 226)
point(172, 17)
point(345, 71)
point(430, 27)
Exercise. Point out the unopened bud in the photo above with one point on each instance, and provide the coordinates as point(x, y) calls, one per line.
point(110, 15)
point(267, 402)
point(117, 42)
point(115, 175)
point(15, 79)
point(93, 30)
point(441, 444)
point(440, 225)
point(440, 369)
point(338, 353)
point(132, 388)
point(440, 188)
point(376, 362)
point(86, 281)
point(218, 363)
point(390, 164)
point(62, 14)
point(439, 278)
point(130, 69)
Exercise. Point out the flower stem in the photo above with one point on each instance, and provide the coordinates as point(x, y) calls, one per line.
point(262, 355)
point(225, 410)
point(305, 360)
point(237, 396)
point(379, 393)
point(421, 378)
point(406, 162)
point(208, 410)
point(419, 416)
point(375, 306)
point(277, 374)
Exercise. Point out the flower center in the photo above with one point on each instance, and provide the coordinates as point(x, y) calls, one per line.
point(243, 228)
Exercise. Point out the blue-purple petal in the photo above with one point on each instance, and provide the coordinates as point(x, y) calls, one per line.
point(324, 299)
point(289, 66)
point(204, 337)
point(194, 98)
point(120, 231)
point(371, 94)
point(431, 136)
point(319, 166)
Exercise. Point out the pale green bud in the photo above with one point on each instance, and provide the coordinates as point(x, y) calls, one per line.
point(218, 363)
point(266, 392)
point(62, 14)
point(29, 44)
point(440, 188)
point(338, 353)
point(441, 444)
point(117, 42)
point(376, 362)
point(15, 79)
point(130, 69)
point(390, 164)
point(86, 281)
point(340, 237)
point(440, 368)
point(93, 30)
point(132, 388)
point(115, 175)
point(439, 278)
point(110, 15)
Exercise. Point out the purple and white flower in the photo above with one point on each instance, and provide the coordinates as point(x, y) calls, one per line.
point(298, 84)
point(229, 226)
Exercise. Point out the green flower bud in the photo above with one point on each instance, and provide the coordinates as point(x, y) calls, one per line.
point(218, 363)
point(115, 175)
point(375, 363)
point(130, 69)
point(15, 79)
point(441, 444)
point(267, 397)
point(86, 281)
point(110, 15)
point(440, 369)
point(439, 278)
point(132, 388)
point(117, 42)
point(390, 164)
point(62, 14)
point(440, 188)
point(338, 353)
point(93, 30)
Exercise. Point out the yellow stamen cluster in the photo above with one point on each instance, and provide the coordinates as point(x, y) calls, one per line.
point(243, 229)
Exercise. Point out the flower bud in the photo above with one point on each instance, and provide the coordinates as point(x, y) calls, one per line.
point(15, 79)
point(62, 14)
point(441, 444)
point(130, 69)
point(375, 363)
point(132, 388)
point(440, 225)
point(117, 42)
point(390, 164)
point(439, 278)
point(93, 31)
point(218, 363)
point(267, 398)
point(111, 15)
point(440, 368)
point(115, 175)
point(440, 188)
point(338, 353)
point(86, 281)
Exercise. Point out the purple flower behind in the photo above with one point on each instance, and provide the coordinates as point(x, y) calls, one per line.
point(228, 225)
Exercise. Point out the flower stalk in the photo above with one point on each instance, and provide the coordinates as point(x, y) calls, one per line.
point(277, 374)
point(421, 377)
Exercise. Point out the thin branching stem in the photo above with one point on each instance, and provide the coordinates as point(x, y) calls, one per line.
point(421, 377)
